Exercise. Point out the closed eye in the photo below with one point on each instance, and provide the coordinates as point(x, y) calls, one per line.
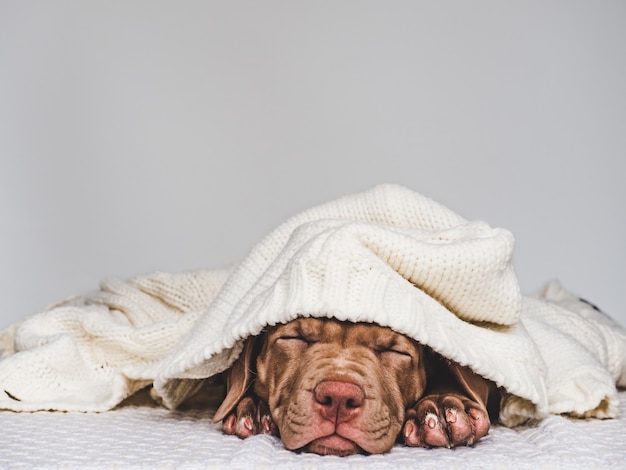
point(296, 338)
point(399, 352)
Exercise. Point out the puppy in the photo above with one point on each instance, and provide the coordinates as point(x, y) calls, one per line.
point(341, 388)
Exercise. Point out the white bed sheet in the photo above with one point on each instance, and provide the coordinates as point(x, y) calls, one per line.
point(153, 437)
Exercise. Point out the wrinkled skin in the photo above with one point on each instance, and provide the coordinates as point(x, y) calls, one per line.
point(342, 388)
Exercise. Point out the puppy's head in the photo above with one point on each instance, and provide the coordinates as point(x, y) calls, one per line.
point(336, 387)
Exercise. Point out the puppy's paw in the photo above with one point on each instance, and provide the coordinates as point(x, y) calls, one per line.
point(446, 420)
point(249, 418)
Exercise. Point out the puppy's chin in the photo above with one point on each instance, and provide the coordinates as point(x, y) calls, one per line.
point(333, 445)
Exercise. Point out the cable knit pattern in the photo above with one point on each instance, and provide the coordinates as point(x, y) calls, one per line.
point(88, 353)
point(388, 256)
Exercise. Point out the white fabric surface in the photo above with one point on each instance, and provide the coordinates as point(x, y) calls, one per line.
point(153, 437)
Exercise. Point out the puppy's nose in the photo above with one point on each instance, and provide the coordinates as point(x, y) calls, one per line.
point(338, 401)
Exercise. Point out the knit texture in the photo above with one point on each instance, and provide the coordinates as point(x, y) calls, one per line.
point(145, 437)
point(89, 353)
point(388, 256)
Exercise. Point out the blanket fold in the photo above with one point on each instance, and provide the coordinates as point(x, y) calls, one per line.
point(388, 256)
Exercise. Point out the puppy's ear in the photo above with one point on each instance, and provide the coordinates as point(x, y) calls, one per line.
point(476, 387)
point(239, 379)
point(418, 379)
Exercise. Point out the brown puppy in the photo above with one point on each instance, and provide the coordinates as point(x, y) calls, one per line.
point(332, 387)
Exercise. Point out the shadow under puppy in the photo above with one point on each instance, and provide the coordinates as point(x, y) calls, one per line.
point(332, 387)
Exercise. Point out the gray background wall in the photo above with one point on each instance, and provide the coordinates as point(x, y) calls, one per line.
point(150, 135)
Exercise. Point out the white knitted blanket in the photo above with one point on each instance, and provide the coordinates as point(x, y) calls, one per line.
point(388, 256)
